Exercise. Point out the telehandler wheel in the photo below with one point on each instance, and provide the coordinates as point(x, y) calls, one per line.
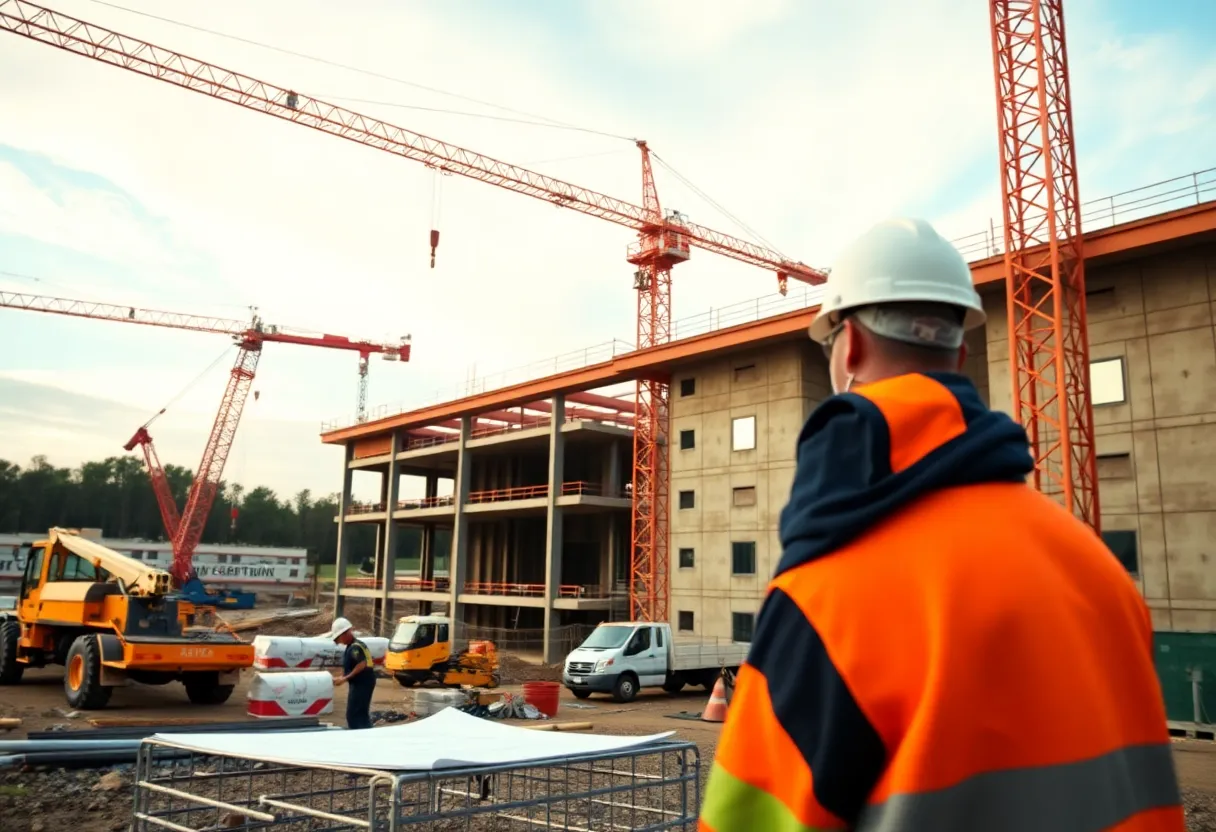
point(10, 668)
point(405, 681)
point(204, 688)
point(82, 681)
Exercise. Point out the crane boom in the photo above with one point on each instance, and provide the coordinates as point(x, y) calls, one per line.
point(160, 480)
point(215, 455)
point(92, 41)
point(200, 323)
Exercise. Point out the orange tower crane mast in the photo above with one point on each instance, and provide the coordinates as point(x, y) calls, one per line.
point(1044, 261)
point(185, 530)
point(662, 241)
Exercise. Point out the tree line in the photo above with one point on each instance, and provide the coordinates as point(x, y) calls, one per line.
point(115, 495)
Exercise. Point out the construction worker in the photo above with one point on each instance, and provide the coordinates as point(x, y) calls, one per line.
point(357, 670)
point(942, 647)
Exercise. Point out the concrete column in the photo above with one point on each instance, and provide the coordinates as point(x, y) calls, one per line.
point(344, 501)
point(608, 554)
point(553, 524)
point(388, 554)
point(460, 527)
point(612, 485)
point(426, 555)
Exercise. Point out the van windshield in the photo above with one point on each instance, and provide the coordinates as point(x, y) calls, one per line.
point(606, 638)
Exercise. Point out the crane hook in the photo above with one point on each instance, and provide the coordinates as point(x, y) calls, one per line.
point(434, 245)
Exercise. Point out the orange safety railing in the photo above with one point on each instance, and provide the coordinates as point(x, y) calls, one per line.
point(502, 588)
point(416, 442)
point(531, 492)
point(501, 495)
point(590, 489)
point(402, 584)
point(426, 502)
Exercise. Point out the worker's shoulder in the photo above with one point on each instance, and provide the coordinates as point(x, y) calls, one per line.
point(968, 533)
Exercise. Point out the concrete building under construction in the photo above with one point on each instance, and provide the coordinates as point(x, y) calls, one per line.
point(538, 505)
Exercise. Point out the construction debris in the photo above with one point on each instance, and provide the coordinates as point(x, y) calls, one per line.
point(258, 622)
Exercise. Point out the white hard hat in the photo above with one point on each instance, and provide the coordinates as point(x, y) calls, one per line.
point(897, 261)
point(340, 626)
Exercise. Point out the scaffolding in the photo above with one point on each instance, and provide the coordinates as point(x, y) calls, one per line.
point(649, 787)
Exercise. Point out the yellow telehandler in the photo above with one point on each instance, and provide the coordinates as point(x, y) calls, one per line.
point(420, 651)
point(108, 618)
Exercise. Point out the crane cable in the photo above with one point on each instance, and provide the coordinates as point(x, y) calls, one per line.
point(188, 387)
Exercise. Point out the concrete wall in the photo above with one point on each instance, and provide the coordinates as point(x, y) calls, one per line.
point(778, 386)
point(1156, 436)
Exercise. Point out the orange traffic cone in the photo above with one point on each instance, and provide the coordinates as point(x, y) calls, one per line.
point(715, 711)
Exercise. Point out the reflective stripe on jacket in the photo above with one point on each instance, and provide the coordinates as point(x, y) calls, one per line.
point(942, 648)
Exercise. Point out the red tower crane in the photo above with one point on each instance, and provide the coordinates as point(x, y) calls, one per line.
point(1044, 260)
point(185, 529)
point(662, 241)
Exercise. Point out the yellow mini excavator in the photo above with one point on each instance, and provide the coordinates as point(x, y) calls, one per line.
point(109, 619)
point(420, 651)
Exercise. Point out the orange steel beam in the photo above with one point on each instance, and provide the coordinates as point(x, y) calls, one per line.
point(1112, 244)
point(598, 400)
point(1045, 288)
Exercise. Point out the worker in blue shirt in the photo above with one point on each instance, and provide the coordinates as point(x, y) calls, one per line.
point(358, 671)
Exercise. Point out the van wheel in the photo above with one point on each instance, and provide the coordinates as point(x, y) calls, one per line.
point(626, 688)
point(82, 681)
point(580, 693)
point(10, 669)
point(204, 688)
point(674, 683)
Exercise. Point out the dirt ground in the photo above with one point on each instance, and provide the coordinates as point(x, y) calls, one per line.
point(97, 800)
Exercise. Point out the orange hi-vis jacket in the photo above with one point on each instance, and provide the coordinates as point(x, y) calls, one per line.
point(942, 647)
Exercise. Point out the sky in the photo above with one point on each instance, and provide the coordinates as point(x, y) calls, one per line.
point(808, 120)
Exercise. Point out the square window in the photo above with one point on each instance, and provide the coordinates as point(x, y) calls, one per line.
point(1106, 381)
point(688, 440)
point(688, 386)
point(743, 433)
point(743, 557)
point(744, 497)
point(688, 499)
point(688, 558)
point(741, 625)
point(1123, 545)
point(686, 621)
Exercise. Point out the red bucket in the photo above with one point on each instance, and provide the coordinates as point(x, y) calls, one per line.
point(543, 696)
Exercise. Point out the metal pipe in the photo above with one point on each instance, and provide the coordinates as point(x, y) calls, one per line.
point(27, 746)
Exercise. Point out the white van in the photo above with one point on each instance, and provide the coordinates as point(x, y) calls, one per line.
point(622, 657)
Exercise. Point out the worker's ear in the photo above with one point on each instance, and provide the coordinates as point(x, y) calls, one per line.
point(962, 356)
point(854, 346)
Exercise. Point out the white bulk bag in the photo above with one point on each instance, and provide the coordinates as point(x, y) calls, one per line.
point(273, 695)
point(293, 653)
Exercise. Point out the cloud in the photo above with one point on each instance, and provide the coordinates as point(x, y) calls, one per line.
point(807, 121)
